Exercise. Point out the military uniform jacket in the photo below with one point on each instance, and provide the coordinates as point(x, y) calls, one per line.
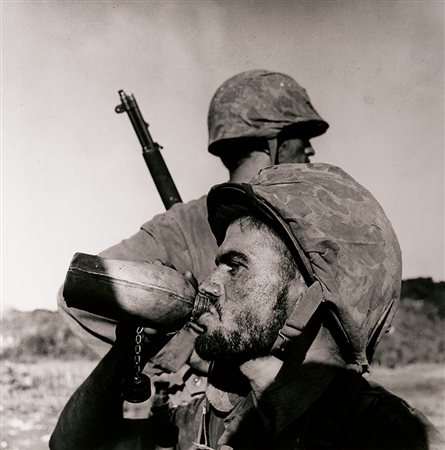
point(351, 414)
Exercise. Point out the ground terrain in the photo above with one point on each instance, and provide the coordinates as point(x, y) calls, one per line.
point(33, 395)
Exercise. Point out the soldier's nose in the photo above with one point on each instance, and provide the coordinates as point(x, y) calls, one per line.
point(210, 289)
point(309, 151)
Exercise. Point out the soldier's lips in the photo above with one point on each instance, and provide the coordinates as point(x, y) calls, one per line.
point(198, 324)
point(200, 329)
point(203, 319)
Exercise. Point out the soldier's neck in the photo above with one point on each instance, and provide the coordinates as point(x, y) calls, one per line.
point(261, 372)
point(250, 167)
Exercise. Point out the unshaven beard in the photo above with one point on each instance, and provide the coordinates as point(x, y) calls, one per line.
point(216, 346)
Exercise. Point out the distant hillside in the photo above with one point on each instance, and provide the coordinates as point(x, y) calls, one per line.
point(417, 334)
point(29, 335)
point(425, 289)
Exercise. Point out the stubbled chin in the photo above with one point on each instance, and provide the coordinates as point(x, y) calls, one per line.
point(201, 348)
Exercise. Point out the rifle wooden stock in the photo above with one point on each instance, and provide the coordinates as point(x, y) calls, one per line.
point(150, 294)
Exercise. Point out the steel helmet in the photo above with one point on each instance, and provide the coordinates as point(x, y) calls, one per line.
point(260, 104)
point(342, 241)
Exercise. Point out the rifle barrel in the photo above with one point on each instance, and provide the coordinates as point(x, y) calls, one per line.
point(150, 151)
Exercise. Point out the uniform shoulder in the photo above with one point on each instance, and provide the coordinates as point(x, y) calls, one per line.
point(395, 424)
point(182, 213)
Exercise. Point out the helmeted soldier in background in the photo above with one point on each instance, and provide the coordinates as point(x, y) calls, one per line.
point(256, 118)
point(307, 281)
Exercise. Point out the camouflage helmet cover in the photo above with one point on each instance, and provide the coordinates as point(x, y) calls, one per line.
point(260, 104)
point(342, 234)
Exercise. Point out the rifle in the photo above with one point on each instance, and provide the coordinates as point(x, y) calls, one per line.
point(150, 151)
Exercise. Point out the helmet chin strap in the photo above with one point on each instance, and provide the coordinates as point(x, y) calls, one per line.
point(297, 321)
point(307, 308)
point(273, 151)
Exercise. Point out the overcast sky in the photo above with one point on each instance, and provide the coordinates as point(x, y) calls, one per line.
point(73, 178)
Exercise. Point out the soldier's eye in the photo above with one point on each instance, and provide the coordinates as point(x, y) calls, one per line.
point(236, 266)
